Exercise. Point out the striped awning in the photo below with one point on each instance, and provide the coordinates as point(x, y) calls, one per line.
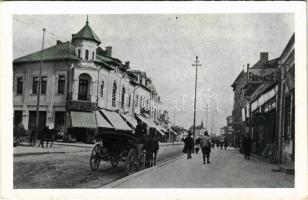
point(101, 121)
point(83, 119)
point(116, 120)
point(173, 132)
point(130, 120)
point(150, 124)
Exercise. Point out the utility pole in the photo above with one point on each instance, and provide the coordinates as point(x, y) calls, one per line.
point(39, 89)
point(174, 118)
point(207, 110)
point(196, 64)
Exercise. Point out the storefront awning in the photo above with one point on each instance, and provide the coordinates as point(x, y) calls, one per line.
point(130, 119)
point(101, 121)
point(160, 132)
point(116, 120)
point(83, 119)
point(173, 132)
point(151, 124)
point(147, 122)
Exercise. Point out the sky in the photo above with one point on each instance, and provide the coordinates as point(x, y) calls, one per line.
point(166, 46)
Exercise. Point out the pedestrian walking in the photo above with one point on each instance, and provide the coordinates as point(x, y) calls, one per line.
point(206, 147)
point(247, 146)
point(225, 143)
point(188, 145)
point(197, 143)
point(221, 143)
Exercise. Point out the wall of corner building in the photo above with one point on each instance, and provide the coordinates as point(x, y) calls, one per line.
point(49, 102)
point(285, 148)
point(237, 107)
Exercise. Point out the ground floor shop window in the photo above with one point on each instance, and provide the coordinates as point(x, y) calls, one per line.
point(17, 117)
point(32, 120)
point(59, 120)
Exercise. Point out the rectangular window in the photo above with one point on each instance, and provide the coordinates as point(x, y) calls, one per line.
point(44, 85)
point(34, 85)
point(17, 117)
point(19, 85)
point(61, 84)
point(102, 89)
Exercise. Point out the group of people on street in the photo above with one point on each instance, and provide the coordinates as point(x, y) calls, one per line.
point(205, 143)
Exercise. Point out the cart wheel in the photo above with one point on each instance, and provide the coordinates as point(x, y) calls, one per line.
point(114, 162)
point(131, 166)
point(95, 158)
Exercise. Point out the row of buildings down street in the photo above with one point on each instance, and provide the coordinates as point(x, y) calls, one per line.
point(78, 77)
point(264, 107)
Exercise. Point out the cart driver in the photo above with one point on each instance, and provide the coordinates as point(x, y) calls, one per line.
point(139, 133)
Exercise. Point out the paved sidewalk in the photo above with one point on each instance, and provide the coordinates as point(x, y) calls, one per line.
point(228, 169)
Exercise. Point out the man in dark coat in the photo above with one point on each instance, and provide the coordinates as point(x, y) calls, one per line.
point(247, 146)
point(139, 133)
point(206, 147)
point(189, 145)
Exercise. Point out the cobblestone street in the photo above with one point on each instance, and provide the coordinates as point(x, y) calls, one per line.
point(68, 167)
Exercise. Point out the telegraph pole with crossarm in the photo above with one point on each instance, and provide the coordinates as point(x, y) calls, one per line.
point(196, 64)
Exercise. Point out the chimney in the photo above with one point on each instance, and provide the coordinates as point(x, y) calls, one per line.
point(127, 64)
point(109, 51)
point(59, 42)
point(264, 57)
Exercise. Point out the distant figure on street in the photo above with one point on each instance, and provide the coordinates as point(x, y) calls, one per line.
point(247, 146)
point(225, 143)
point(221, 143)
point(188, 146)
point(206, 147)
point(217, 143)
point(198, 141)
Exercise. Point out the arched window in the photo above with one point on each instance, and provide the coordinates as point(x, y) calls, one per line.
point(147, 103)
point(93, 55)
point(79, 53)
point(123, 98)
point(136, 101)
point(114, 94)
point(140, 103)
point(102, 89)
point(87, 55)
point(84, 87)
point(129, 99)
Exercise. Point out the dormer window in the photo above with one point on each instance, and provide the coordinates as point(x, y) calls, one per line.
point(87, 55)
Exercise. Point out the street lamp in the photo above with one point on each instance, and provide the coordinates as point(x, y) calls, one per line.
point(196, 64)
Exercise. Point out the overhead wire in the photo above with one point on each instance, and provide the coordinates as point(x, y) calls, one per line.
point(34, 27)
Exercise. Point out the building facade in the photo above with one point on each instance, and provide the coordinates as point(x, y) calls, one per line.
point(268, 109)
point(75, 73)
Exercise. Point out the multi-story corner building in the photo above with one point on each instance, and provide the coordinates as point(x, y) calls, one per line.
point(268, 109)
point(286, 105)
point(75, 75)
point(237, 115)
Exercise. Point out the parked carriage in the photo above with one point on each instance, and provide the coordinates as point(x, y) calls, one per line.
point(115, 147)
point(117, 143)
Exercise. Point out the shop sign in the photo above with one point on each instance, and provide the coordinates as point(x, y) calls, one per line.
point(262, 75)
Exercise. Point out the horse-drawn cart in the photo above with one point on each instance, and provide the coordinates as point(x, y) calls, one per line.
point(118, 147)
